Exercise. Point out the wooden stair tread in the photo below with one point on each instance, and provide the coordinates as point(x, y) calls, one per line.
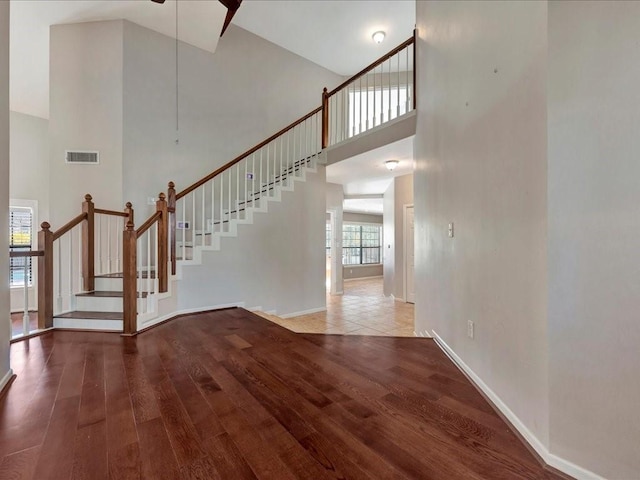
point(85, 315)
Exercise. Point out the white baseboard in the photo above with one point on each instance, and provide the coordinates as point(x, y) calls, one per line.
point(422, 333)
point(549, 458)
point(6, 379)
point(304, 312)
point(185, 311)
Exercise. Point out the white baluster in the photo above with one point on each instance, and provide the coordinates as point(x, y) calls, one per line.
point(59, 269)
point(118, 240)
point(398, 86)
point(71, 296)
point(407, 104)
point(204, 221)
point(25, 299)
point(148, 237)
point(193, 221)
point(221, 202)
point(213, 210)
point(139, 276)
point(184, 234)
point(237, 191)
point(156, 264)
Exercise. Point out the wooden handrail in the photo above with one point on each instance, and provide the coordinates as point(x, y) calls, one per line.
point(110, 212)
point(69, 225)
point(148, 224)
point(31, 253)
point(239, 158)
point(367, 69)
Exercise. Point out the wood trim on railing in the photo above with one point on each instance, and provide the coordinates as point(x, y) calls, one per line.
point(148, 224)
point(163, 251)
point(171, 208)
point(325, 118)
point(69, 225)
point(367, 69)
point(30, 253)
point(128, 209)
point(239, 158)
point(129, 280)
point(110, 212)
point(88, 245)
point(45, 277)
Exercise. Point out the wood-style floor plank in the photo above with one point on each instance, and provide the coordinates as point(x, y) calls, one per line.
point(229, 395)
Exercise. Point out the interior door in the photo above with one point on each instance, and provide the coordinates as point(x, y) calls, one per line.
point(409, 269)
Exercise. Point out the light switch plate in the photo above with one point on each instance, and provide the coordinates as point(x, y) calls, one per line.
point(451, 230)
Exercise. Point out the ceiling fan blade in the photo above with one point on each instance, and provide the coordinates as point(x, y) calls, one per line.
point(158, 1)
point(231, 4)
point(227, 20)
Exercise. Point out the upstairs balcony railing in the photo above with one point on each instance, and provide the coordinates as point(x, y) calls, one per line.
point(108, 242)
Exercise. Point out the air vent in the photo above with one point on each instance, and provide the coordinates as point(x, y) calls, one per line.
point(82, 157)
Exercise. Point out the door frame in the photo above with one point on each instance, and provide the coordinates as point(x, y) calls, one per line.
point(405, 239)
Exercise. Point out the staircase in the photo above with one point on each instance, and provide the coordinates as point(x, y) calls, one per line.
point(102, 309)
point(99, 272)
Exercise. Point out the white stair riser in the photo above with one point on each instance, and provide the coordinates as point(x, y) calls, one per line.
point(88, 324)
point(99, 304)
point(115, 284)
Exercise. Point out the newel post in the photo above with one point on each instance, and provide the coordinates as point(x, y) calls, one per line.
point(88, 245)
point(325, 118)
point(171, 208)
point(128, 209)
point(163, 251)
point(129, 279)
point(45, 277)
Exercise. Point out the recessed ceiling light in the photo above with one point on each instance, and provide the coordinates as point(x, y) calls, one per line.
point(391, 164)
point(378, 36)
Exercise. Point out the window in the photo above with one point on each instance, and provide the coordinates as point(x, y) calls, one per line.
point(20, 227)
point(361, 244)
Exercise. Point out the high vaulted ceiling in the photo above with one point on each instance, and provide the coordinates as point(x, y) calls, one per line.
point(334, 34)
point(200, 24)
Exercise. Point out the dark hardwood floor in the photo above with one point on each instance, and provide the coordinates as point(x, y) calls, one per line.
point(229, 395)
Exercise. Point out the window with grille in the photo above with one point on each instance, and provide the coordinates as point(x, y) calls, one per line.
point(361, 244)
point(20, 228)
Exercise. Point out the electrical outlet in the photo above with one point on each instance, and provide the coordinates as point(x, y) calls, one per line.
point(451, 230)
point(469, 329)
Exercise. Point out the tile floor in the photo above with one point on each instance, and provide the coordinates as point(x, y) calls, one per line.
point(362, 310)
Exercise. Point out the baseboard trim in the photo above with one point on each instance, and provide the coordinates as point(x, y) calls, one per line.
point(551, 460)
point(304, 312)
point(422, 333)
point(6, 382)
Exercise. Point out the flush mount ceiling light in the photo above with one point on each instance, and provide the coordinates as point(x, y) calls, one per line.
point(391, 164)
point(378, 36)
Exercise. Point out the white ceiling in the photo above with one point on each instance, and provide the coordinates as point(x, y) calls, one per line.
point(366, 174)
point(200, 25)
point(335, 34)
point(363, 205)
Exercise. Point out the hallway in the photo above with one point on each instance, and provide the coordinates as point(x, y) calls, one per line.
point(361, 310)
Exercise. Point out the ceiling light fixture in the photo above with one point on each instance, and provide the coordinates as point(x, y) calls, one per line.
point(378, 36)
point(391, 164)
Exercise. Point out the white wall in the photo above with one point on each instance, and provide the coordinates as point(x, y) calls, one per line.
point(398, 194)
point(594, 227)
point(334, 203)
point(85, 113)
point(29, 182)
point(5, 322)
point(480, 162)
point(277, 263)
point(389, 238)
point(30, 161)
point(228, 102)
